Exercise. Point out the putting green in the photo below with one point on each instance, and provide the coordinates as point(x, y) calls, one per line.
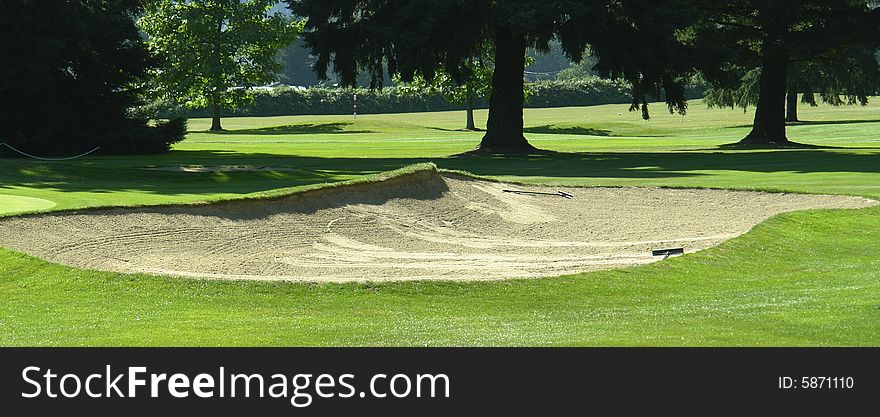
point(16, 204)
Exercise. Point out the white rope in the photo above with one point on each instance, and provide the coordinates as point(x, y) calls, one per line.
point(49, 159)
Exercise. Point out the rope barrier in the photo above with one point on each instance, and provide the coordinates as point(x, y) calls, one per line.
point(49, 159)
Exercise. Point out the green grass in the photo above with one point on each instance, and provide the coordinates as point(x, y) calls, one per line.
point(10, 204)
point(809, 278)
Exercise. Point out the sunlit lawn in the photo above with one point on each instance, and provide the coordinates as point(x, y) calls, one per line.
point(810, 278)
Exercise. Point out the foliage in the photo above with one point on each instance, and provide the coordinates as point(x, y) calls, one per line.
point(737, 33)
point(830, 43)
point(741, 96)
point(836, 85)
point(546, 65)
point(578, 92)
point(639, 41)
point(350, 37)
point(847, 75)
point(297, 65)
point(71, 73)
point(282, 101)
point(477, 82)
point(211, 50)
point(582, 70)
point(423, 37)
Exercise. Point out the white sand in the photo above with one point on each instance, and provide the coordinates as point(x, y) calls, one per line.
point(420, 226)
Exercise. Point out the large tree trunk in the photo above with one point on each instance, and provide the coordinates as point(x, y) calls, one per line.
point(791, 106)
point(769, 127)
point(471, 125)
point(504, 130)
point(215, 114)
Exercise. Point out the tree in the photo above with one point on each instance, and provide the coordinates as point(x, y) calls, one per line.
point(297, 63)
point(844, 76)
point(638, 41)
point(850, 78)
point(212, 51)
point(475, 83)
point(740, 35)
point(423, 37)
point(72, 73)
point(580, 71)
point(742, 95)
point(545, 66)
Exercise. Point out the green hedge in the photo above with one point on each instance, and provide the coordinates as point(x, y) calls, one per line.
point(578, 92)
point(320, 100)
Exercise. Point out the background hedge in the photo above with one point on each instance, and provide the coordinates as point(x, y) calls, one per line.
point(283, 101)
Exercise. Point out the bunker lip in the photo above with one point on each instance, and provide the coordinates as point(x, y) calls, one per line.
point(413, 225)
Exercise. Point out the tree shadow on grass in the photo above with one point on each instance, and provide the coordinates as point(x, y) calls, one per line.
point(771, 146)
point(443, 129)
point(127, 174)
point(816, 123)
point(831, 122)
point(574, 130)
point(297, 129)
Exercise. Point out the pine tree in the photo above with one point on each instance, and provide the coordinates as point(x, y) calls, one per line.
point(422, 37)
point(71, 74)
point(779, 36)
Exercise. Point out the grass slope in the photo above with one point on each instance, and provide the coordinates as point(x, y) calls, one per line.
point(810, 278)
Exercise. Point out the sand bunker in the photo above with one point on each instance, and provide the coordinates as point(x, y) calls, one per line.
point(418, 226)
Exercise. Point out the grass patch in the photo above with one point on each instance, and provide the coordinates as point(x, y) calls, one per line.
point(808, 278)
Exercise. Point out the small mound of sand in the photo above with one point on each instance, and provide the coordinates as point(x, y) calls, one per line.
point(418, 226)
point(217, 168)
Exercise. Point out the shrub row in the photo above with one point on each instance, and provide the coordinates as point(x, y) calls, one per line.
point(321, 100)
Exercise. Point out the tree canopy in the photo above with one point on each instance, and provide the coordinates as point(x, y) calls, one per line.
point(211, 51)
point(475, 82)
point(778, 36)
point(851, 78)
point(72, 73)
point(85, 65)
point(298, 66)
point(422, 37)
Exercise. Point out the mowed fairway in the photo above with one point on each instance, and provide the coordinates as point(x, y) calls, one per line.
point(806, 278)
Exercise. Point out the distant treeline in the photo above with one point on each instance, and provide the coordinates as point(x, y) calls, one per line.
point(282, 101)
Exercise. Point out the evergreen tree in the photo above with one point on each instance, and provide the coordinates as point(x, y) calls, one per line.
point(475, 83)
point(846, 77)
point(72, 72)
point(781, 37)
point(639, 41)
point(297, 65)
point(423, 37)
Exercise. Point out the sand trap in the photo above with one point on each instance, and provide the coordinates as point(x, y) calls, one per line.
point(418, 226)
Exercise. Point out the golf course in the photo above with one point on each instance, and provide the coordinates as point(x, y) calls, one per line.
point(802, 278)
